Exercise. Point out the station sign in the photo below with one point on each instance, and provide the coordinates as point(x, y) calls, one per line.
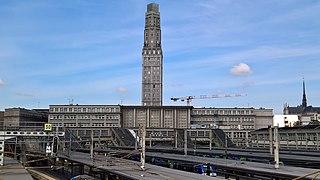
point(48, 127)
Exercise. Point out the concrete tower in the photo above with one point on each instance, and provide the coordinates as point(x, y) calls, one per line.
point(152, 58)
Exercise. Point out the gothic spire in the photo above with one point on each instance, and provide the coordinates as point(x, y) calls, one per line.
point(304, 97)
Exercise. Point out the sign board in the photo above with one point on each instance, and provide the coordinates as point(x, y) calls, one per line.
point(48, 150)
point(48, 127)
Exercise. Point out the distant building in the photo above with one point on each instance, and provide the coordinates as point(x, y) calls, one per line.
point(237, 123)
point(306, 114)
point(152, 58)
point(20, 117)
point(85, 115)
point(156, 116)
point(285, 120)
point(1, 118)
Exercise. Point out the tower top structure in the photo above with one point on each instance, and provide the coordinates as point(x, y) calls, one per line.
point(153, 7)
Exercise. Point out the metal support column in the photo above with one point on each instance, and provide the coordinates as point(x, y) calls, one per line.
point(210, 140)
point(185, 142)
point(276, 147)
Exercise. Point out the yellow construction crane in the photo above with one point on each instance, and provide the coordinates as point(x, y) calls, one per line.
point(189, 98)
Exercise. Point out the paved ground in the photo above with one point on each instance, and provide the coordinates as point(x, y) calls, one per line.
point(12, 170)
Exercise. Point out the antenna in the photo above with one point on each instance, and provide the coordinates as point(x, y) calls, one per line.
point(71, 101)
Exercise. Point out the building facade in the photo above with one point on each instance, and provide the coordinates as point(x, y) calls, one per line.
point(237, 123)
point(84, 115)
point(156, 117)
point(1, 118)
point(20, 117)
point(152, 58)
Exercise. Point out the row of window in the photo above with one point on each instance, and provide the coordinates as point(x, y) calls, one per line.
point(85, 109)
point(85, 125)
point(222, 112)
point(84, 116)
point(230, 119)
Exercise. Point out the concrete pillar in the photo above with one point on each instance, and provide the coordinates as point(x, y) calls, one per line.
point(287, 140)
point(317, 141)
point(136, 141)
point(296, 139)
point(91, 145)
point(270, 140)
point(210, 140)
point(307, 140)
point(143, 144)
point(176, 139)
point(15, 148)
point(185, 142)
point(276, 147)
point(150, 139)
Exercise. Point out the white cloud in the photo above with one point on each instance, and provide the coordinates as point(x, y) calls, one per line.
point(122, 89)
point(241, 69)
point(2, 83)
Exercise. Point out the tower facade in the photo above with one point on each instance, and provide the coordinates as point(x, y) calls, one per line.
point(152, 58)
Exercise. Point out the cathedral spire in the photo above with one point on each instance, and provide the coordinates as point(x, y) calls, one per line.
point(304, 97)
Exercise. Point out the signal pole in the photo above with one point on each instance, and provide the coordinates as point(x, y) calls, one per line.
point(276, 147)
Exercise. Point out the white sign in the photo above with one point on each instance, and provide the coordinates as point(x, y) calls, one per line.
point(48, 149)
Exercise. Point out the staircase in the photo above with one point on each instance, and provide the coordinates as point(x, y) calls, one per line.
point(122, 137)
point(219, 138)
point(180, 137)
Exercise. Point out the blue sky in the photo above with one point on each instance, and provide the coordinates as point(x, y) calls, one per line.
point(90, 51)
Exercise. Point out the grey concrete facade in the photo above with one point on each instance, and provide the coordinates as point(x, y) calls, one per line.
point(156, 117)
point(152, 67)
point(84, 115)
point(20, 117)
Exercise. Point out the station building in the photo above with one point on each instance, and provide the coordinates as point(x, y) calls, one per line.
point(237, 123)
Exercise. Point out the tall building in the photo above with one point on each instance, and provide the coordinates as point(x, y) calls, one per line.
point(152, 58)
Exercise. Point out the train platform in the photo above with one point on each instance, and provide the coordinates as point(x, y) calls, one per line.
point(262, 169)
point(13, 170)
point(128, 169)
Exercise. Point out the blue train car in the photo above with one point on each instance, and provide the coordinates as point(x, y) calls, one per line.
point(203, 169)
